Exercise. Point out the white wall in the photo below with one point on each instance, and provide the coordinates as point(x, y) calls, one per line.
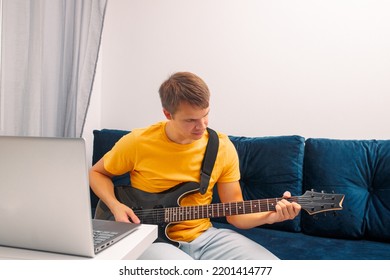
point(308, 67)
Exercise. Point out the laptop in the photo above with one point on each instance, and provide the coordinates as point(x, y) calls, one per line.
point(45, 198)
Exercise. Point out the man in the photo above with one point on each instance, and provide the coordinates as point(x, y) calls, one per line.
point(168, 153)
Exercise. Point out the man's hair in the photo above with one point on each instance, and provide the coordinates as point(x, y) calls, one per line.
point(184, 87)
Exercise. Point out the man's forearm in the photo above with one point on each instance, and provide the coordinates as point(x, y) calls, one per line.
point(103, 187)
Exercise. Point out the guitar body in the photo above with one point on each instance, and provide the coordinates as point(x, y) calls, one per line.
point(140, 201)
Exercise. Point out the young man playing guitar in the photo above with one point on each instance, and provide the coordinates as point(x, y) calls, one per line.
point(168, 153)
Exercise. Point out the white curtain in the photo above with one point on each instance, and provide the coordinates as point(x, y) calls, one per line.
point(49, 56)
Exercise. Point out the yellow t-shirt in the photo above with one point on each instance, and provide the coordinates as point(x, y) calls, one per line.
point(157, 164)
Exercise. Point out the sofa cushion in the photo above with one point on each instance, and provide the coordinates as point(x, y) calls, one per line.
point(359, 169)
point(299, 246)
point(269, 166)
point(378, 208)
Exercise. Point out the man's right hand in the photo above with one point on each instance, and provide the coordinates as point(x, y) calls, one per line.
point(123, 213)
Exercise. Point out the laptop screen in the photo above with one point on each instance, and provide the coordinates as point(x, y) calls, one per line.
point(44, 195)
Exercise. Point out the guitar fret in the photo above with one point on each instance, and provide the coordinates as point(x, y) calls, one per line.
point(194, 212)
point(253, 206)
point(248, 207)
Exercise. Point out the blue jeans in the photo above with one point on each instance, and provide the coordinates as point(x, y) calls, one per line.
point(213, 244)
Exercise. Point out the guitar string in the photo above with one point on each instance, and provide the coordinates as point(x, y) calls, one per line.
point(159, 213)
point(245, 203)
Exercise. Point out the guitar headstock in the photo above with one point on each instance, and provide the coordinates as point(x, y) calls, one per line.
point(316, 202)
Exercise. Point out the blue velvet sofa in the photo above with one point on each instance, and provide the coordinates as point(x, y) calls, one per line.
point(359, 169)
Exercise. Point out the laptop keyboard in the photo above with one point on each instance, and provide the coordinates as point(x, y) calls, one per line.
point(100, 236)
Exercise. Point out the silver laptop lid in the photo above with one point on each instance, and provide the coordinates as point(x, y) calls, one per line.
point(44, 195)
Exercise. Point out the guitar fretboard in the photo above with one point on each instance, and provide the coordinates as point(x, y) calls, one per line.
point(176, 214)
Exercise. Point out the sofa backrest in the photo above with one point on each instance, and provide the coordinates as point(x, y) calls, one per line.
point(360, 169)
point(269, 166)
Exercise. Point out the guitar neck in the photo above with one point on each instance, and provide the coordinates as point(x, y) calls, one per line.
point(177, 214)
point(312, 202)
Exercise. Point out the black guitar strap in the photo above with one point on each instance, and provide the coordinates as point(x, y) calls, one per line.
point(208, 160)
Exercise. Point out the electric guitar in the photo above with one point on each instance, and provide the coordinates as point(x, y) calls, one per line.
point(164, 208)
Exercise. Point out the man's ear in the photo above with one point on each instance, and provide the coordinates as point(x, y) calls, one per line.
point(167, 114)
